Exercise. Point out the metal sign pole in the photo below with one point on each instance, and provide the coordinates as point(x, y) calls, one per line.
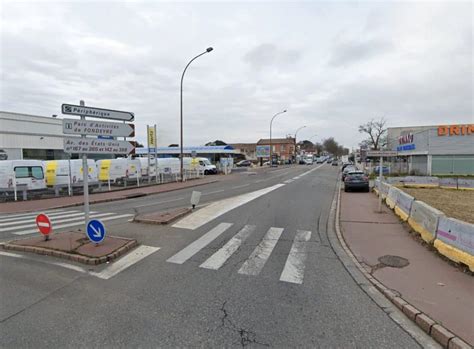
point(380, 181)
point(85, 179)
point(148, 155)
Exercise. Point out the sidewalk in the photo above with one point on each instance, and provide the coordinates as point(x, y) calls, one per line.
point(429, 283)
point(68, 201)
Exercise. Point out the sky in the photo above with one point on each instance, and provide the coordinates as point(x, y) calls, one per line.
point(332, 65)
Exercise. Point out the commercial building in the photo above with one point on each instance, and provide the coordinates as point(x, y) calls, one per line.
point(284, 148)
point(213, 153)
point(433, 150)
point(247, 151)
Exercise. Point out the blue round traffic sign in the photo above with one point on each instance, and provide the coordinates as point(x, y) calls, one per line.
point(95, 230)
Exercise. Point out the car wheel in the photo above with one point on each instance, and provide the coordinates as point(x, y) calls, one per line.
point(206, 172)
point(346, 189)
point(367, 190)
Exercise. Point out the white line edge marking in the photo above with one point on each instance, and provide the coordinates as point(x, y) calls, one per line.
point(213, 192)
point(51, 217)
point(58, 264)
point(125, 262)
point(255, 263)
point(62, 220)
point(293, 271)
point(33, 231)
point(218, 259)
point(197, 245)
point(218, 208)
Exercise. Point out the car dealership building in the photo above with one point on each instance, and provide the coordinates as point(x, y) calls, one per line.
point(433, 150)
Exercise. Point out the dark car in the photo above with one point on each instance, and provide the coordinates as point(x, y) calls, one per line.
point(346, 170)
point(356, 180)
point(329, 161)
point(244, 163)
point(335, 163)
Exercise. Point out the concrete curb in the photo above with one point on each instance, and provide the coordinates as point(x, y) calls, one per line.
point(162, 217)
point(131, 244)
point(113, 199)
point(439, 333)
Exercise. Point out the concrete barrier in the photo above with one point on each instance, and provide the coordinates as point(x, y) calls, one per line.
point(420, 182)
point(384, 188)
point(403, 205)
point(391, 199)
point(455, 240)
point(377, 187)
point(424, 220)
point(456, 183)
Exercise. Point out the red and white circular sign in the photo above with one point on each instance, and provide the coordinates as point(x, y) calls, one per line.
point(44, 224)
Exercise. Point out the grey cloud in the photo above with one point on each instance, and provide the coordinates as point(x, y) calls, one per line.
point(267, 55)
point(349, 52)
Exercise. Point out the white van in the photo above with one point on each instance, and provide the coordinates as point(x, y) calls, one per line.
point(58, 172)
point(116, 170)
point(144, 166)
point(308, 159)
point(29, 172)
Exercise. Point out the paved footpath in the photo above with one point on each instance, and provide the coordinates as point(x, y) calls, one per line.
point(68, 201)
point(429, 283)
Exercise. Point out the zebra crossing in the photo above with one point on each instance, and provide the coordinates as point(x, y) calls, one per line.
point(293, 271)
point(24, 223)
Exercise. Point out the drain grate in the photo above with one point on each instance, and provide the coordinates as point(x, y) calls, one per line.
point(394, 261)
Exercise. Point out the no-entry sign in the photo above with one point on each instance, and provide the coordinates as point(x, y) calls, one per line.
point(44, 224)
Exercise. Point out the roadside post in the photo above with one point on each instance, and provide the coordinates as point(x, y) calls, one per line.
point(151, 144)
point(381, 154)
point(98, 145)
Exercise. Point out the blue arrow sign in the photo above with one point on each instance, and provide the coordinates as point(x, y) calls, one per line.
point(95, 230)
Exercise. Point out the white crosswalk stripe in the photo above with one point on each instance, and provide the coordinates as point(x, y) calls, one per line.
point(23, 224)
point(218, 259)
point(260, 255)
point(189, 251)
point(293, 271)
point(294, 267)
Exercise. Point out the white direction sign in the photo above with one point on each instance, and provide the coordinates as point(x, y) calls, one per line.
point(97, 146)
point(97, 112)
point(386, 153)
point(98, 128)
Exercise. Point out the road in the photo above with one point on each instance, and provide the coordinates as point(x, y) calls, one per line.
point(252, 266)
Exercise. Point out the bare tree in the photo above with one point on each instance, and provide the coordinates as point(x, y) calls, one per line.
point(376, 131)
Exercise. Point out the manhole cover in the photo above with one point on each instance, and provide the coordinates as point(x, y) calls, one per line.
point(394, 261)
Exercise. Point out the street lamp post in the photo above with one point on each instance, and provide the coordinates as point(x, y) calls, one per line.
point(295, 138)
point(271, 122)
point(209, 49)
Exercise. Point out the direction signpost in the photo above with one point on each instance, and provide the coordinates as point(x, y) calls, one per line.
point(83, 145)
point(382, 154)
point(44, 225)
point(98, 128)
point(95, 231)
point(99, 113)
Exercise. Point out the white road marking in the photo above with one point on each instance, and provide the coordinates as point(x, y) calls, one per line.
point(160, 202)
point(9, 254)
point(190, 250)
point(254, 264)
point(218, 259)
point(65, 220)
point(125, 262)
point(51, 217)
point(294, 267)
point(241, 186)
point(10, 218)
point(214, 210)
point(32, 231)
point(288, 181)
point(59, 264)
point(213, 192)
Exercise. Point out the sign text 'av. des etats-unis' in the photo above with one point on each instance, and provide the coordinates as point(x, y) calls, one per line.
point(97, 146)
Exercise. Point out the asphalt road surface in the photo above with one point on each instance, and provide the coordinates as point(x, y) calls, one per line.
point(252, 266)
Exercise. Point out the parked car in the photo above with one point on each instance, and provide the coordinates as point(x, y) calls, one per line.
point(345, 164)
point(356, 180)
point(347, 170)
point(335, 163)
point(244, 163)
point(385, 170)
point(329, 161)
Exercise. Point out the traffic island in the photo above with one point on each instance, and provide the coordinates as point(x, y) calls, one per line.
point(164, 217)
point(74, 246)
